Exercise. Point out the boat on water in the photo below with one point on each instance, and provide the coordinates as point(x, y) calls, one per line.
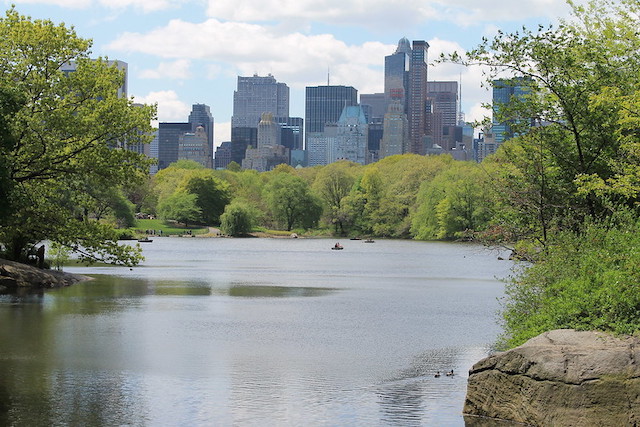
point(369, 241)
point(337, 247)
point(145, 240)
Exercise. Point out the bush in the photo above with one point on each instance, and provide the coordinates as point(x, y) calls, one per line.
point(589, 281)
point(238, 219)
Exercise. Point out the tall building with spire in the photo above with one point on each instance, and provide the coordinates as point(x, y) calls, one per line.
point(396, 73)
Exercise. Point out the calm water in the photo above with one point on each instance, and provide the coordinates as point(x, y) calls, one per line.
point(258, 332)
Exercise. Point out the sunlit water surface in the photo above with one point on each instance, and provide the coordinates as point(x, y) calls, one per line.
point(263, 332)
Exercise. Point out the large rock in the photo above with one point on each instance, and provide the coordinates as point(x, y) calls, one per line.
point(14, 275)
point(559, 378)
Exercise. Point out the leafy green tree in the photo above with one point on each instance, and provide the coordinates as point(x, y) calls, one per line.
point(234, 167)
point(290, 200)
point(238, 219)
point(181, 207)
point(568, 71)
point(334, 182)
point(453, 204)
point(61, 132)
point(212, 196)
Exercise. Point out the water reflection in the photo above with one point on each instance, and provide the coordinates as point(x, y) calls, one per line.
point(411, 396)
point(276, 291)
point(293, 334)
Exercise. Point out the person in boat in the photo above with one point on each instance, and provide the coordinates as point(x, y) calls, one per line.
point(337, 245)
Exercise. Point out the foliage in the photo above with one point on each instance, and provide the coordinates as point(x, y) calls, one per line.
point(587, 281)
point(332, 184)
point(185, 176)
point(58, 255)
point(568, 71)
point(453, 204)
point(61, 133)
point(290, 200)
point(234, 167)
point(238, 219)
point(212, 196)
point(180, 206)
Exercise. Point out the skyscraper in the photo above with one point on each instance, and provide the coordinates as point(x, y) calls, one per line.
point(168, 142)
point(506, 91)
point(256, 95)
point(395, 137)
point(201, 116)
point(352, 136)
point(396, 74)
point(195, 146)
point(324, 104)
point(442, 112)
point(416, 108)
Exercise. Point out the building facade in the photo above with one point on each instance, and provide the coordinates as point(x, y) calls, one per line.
point(168, 141)
point(396, 74)
point(324, 104)
point(442, 112)
point(256, 95)
point(195, 146)
point(352, 137)
point(506, 91)
point(395, 136)
point(416, 102)
point(201, 116)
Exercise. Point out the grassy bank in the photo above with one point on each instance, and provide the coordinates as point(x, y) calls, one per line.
point(167, 228)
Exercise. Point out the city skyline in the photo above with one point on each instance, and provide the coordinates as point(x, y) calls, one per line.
point(188, 52)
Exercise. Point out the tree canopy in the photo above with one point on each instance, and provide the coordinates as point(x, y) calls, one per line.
point(61, 132)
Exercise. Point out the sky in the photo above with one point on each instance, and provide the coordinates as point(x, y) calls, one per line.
point(183, 52)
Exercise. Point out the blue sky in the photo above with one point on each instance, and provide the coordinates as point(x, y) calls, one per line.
point(182, 52)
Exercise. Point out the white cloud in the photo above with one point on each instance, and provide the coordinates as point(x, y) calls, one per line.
point(144, 5)
point(295, 58)
point(172, 70)
point(71, 4)
point(170, 108)
point(373, 13)
point(354, 12)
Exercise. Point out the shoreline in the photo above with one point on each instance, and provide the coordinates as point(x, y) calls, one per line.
point(15, 276)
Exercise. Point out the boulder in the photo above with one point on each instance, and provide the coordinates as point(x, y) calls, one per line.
point(14, 275)
point(561, 378)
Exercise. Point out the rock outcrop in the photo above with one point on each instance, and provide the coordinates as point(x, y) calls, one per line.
point(560, 378)
point(14, 275)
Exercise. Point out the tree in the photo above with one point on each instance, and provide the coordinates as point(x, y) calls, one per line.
point(568, 71)
point(212, 195)
point(332, 184)
point(61, 131)
point(180, 206)
point(291, 202)
point(453, 204)
point(238, 218)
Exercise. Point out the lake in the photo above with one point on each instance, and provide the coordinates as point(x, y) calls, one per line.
point(256, 332)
